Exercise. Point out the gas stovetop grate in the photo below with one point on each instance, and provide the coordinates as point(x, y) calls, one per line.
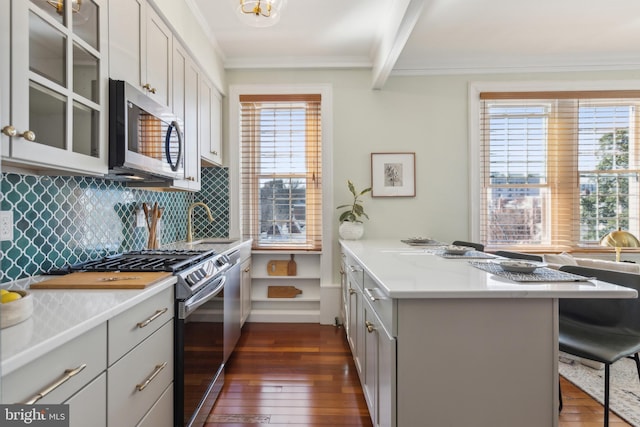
point(140, 261)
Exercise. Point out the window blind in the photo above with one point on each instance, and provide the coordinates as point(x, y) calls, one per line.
point(281, 171)
point(558, 170)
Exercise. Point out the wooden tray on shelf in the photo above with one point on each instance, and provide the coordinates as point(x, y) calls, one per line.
point(283, 292)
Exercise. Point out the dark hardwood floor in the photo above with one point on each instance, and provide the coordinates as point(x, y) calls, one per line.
point(303, 375)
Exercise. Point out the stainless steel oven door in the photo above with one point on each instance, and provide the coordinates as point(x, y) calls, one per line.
point(199, 354)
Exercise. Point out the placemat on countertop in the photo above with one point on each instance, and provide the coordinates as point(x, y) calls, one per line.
point(466, 255)
point(542, 274)
point(423, 242)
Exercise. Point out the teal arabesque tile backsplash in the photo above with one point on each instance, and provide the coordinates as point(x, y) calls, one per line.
point(65, 220)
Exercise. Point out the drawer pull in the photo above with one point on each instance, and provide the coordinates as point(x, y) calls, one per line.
point(370, 295)
point(154, 374)
point(370, 327)
point(157, 314)
point(68, 373)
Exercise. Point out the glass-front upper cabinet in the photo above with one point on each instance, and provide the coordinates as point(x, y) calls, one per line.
point(58, 74)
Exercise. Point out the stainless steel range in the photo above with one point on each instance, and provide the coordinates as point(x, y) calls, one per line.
point(201, 346)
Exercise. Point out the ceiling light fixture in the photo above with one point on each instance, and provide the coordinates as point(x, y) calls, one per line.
point(260, 13)
point(59, 5)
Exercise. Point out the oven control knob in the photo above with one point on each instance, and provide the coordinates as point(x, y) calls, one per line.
point(190, 279)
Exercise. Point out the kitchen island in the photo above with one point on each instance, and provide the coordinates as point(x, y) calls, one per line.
point(439, 342)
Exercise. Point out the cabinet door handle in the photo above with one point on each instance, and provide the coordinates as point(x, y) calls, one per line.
point(11, 131)
point(351, 291)
point(355, 268)
point(68, 373)
point(148, 88)
point(370, 327)
point(215, 153)
point(248, 269)
point(157, 314)
point(367, 291)
point(154, 374)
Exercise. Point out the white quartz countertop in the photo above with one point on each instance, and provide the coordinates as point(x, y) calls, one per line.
point(405, 271)
point(61, 315)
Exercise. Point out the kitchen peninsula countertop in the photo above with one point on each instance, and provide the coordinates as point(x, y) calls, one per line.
point(405, 271)
point(440, 330)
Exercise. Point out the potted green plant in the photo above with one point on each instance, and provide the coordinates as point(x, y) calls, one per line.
point(351, 227)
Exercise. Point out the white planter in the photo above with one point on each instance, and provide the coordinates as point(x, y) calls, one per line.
point(351, 230)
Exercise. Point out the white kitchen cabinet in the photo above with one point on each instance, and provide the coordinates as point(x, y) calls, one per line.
point(139, 379)
point(378, 377)
point(353, 302)
point(140, 48)
point(245, 290)
point(56, 83)
point(88, 407)
point(126, 382)
point(140, 360)
point(304, 307)
point(185, 105)
point(160, 412)
point(372, 345)
point(131, 327)
point(210, 116)
point(69, 367)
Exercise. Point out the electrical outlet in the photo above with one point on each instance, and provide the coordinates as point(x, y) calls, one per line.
point(141, 221)
point(6, 225)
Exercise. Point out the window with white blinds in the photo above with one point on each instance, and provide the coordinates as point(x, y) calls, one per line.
point(281, 171)
point(558, 170)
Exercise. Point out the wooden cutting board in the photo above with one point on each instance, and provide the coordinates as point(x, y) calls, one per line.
point(101, 280)
point(278, 268)
point(283, 291)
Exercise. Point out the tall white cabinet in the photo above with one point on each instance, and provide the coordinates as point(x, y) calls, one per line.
point(186, 77)
point(140, 48)
point(144, 51)
point(56, 82)
point(211, 123)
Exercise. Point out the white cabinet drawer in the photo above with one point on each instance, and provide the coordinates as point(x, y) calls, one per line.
point(89, 349)
point(355, 273)
point(134, 325)
point(161, 414)
point(383, 306)
point(126, 403)
point(88, 407)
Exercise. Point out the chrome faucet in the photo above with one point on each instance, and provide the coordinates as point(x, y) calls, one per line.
point(189, 212)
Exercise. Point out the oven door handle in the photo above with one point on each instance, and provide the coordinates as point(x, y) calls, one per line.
point(204, 295)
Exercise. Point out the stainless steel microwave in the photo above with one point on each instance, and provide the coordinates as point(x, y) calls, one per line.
point(145, 138)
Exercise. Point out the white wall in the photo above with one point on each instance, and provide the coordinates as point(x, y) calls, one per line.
point(427, 115)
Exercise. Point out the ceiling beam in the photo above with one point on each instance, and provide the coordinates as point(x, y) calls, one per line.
point(404, 16)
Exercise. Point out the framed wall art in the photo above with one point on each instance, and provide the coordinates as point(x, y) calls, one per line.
point(393, 174)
